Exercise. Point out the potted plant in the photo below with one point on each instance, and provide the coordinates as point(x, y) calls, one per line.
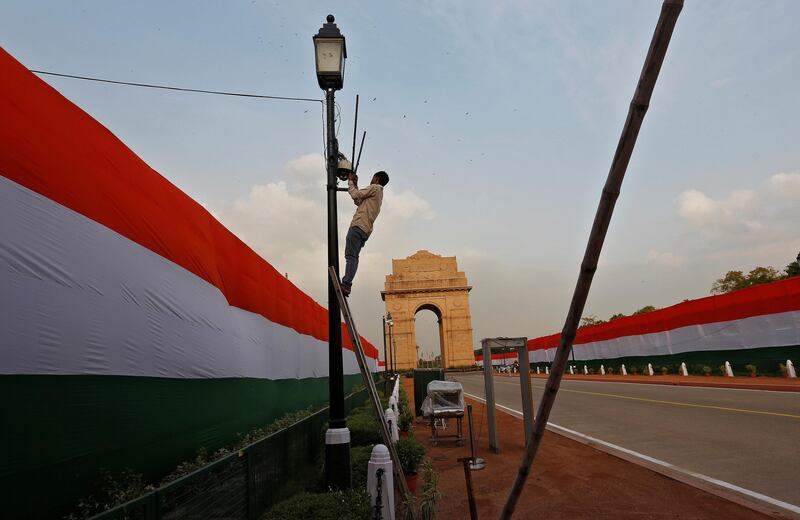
point(784, 371)
point(610, 371)
point(404, 424)
point(430, 494)
point(706, 370)
point(634, 371)
point(410, 452)
point(751, 370)
point(664, 371)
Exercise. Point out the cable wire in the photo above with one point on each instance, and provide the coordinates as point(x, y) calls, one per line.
point(180, 89)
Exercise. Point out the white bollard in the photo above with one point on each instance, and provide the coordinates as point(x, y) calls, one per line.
point(649, 369)
point(602, 370)
point(585, 370)
point(571, 371)
point(391, 423)
point(728, 370)
point(684, 371)
point(546, 370)
point(537, 371)
point(623, 371)
point(380, 459)
point(790, 372)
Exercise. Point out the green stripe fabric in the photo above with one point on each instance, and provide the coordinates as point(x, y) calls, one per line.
point(767, 361)
point(61, 431)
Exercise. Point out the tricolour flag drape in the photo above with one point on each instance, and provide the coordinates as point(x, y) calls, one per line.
point(135, 327)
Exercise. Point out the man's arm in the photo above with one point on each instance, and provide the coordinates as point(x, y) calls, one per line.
point(359, 195)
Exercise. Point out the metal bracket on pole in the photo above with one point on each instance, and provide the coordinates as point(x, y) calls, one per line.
point(489, 394)
point(358, 349)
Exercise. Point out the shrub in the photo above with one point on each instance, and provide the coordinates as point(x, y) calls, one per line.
point(404, 423)
point(610, 371)
point(111, 493)
point(784, 371)
point(750, 369)
point(706, 370)
point(359, 459)
point(410, 452)
point(338, 505)
point(664, 370)
point(364, 430)
point(403, 400)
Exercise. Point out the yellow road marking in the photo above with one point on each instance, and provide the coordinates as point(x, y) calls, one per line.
point(675, 403)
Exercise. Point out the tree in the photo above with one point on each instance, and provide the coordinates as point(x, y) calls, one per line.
point(589, 320)
point(735, 280)
point(793, 269)
point(763, 275)
point(616, 316)
point(732, 281)
point(644, 310)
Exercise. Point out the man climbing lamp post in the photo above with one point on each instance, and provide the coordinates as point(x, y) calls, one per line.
point(330, 53)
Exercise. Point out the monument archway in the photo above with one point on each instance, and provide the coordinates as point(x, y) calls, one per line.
point(425, 281)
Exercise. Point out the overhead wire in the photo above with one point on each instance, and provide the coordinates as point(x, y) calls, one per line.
point(180, 89)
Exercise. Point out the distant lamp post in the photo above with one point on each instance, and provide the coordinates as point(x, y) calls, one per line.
point(330, 54)
point(390, 323)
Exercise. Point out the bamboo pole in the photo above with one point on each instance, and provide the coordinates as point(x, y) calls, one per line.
point(670, 10)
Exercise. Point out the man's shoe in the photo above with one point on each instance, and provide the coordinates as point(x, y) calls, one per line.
point(346, 290)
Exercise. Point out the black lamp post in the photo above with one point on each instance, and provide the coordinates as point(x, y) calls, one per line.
point(330, 54)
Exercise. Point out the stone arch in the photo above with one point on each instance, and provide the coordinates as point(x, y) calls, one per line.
point(428, 281)
point(430, 306)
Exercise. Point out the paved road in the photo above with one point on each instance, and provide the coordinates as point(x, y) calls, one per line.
point(749, 438)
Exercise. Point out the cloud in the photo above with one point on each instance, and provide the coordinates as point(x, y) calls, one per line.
point(744, 218)
point(284, 221)
point(665, 259)
point(737, 210)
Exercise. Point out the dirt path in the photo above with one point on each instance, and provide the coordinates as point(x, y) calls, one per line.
point(571, 480)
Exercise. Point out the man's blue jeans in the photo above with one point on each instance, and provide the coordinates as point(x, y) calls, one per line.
point(356, 238)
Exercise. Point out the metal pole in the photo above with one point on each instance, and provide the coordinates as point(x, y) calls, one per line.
point(394, 348)
point(337, 437)
point(385, 361)
point(355, 133)
point(475, 463)
point(670, 10)
point(489, 395)
point(525, 388)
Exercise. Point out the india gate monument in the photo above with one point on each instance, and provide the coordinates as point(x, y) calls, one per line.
point(425, 281)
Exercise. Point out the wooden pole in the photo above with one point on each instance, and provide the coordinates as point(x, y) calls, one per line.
point(670, 10)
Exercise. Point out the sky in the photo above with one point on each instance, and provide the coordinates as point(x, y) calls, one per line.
point(496, 121)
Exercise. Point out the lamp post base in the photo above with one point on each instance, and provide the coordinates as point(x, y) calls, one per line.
point(337, 458)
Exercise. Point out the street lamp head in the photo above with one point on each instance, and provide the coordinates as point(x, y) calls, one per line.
point(389, 321)
point(330, 52)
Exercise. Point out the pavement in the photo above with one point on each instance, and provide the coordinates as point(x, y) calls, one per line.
point(781, 384)
point(747, 438)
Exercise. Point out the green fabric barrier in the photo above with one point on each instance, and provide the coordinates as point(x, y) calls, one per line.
point(767, 361)
point(60, 431)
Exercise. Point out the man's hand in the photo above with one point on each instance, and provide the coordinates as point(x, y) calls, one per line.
point(353, 177)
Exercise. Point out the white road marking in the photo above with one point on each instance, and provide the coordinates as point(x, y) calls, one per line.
point(720, 483)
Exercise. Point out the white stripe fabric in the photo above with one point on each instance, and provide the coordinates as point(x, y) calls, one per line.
point(770, 330)
point(78, 298)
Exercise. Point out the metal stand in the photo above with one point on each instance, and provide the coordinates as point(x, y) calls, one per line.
point(489, 395)
point(525, 388)
point(475, 463)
